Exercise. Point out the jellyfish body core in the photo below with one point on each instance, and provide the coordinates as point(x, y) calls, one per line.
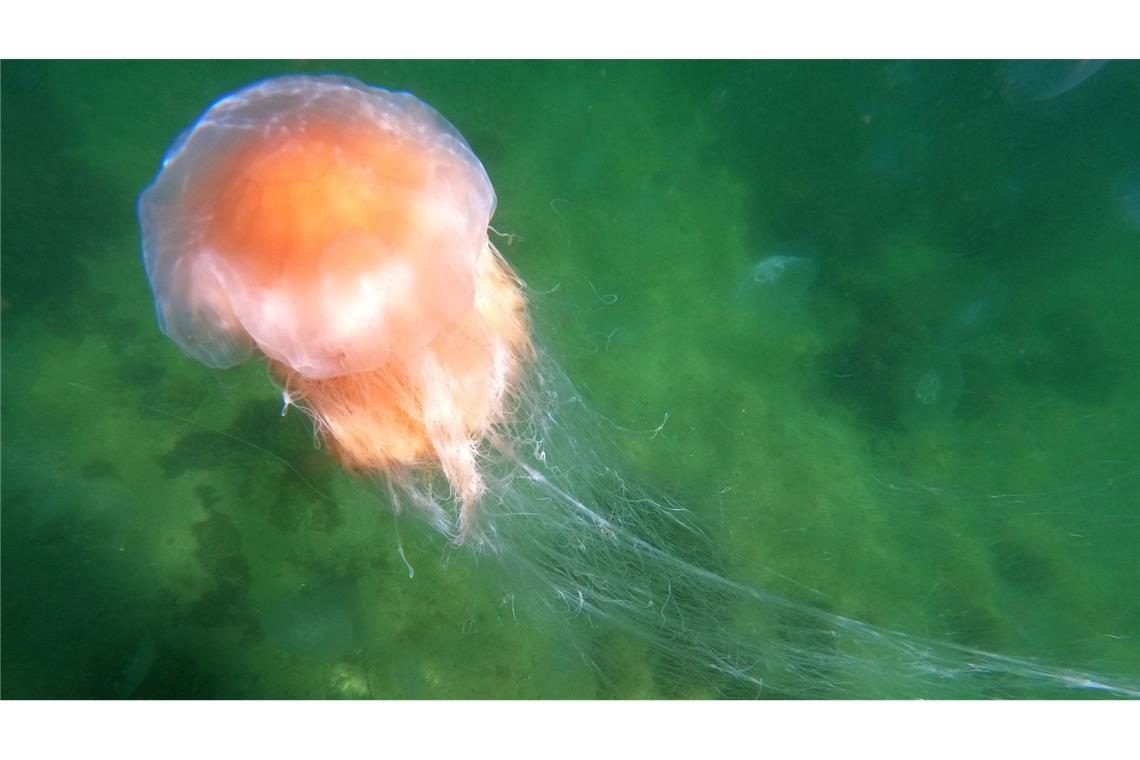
point(340, 230)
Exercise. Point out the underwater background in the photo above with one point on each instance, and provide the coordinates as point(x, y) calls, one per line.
point(876, 325)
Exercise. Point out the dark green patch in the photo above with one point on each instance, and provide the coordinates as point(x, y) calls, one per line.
point(100, 469)
point(863, 375)
point(1077, 364)
point(1021, 567)
point(325, 569)
point(200, 450)
point(207, 495)
point(225, 601)
point(979, 398)
point(968, 624)
point(141, 373)
point(266, 449)
point(292, 507)
point(56, 209)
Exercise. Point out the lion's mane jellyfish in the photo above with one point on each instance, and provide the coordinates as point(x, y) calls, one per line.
point(341, 231)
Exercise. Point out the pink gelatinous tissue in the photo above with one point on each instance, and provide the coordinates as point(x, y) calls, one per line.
point(326, 222)
point(341, 231)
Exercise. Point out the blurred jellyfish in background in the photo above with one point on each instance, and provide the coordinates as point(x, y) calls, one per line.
point(931, 377)
point(778, 281)
point(137, 668)
point(980, 308)
point(891, 102)
point(884, 90)
point(775, 293)
point(930, 386)
point(896, 152)
point(313, 624)
point(1032, 81)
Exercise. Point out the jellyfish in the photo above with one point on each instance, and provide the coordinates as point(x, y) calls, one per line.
point(931, 384)
point(314, 623)
point(892, 102)
point(1045, 80)
point(980, 308)
point(137, 668)
point(339, 231)
point(898, 152)
point(777, 281)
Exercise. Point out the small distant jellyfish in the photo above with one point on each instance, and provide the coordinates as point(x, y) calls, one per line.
point(892, 101)
point(887, 90)
point(931, 384)
point(1044, 80)
point(897, 153)
point(314, 624)
point(137, 668)
point(928, 387)
point(777, 281)
point(980, 309)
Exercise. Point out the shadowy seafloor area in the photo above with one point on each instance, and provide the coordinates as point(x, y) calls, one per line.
point(876, 325)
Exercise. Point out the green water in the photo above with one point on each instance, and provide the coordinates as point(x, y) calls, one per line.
point(937, 436)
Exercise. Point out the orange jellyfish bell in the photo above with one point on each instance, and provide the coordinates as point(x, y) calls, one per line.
point(341, 231)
